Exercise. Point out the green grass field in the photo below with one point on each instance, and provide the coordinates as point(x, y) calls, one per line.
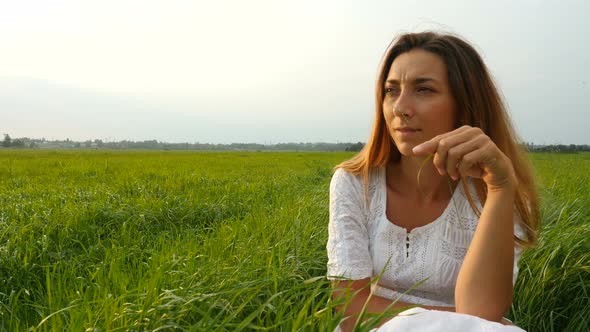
point(133, 241)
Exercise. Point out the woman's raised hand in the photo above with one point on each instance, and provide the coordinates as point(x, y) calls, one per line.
point(468, 151)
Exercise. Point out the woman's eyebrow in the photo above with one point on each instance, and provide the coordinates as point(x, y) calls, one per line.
point(417, 80)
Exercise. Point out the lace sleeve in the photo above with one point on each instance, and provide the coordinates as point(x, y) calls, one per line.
point(519, 232)
point(348, 237)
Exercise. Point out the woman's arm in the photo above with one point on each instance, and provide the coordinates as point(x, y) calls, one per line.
point(376, 304)
point(484, 285)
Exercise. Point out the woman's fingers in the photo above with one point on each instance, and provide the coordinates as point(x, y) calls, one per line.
point(489, 164)
point(456, 155)
point(469, 165)
point(468, 151)
point(446, 152)
point(432, 145)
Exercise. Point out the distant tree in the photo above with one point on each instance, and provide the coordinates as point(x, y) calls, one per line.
point(98, 143)
point(18, 143)
point(355, 147)
point(6, 142)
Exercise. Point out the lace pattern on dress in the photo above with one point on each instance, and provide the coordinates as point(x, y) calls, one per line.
point(452, 250)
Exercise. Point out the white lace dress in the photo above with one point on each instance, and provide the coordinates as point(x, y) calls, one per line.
point(361, 241)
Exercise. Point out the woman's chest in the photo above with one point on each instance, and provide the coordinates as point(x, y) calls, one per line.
point(425, 261)
point(408, 214)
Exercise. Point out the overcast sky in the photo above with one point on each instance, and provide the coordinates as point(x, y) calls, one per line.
point(269, 71)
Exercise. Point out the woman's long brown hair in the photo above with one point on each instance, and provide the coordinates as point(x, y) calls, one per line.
point(478, 104)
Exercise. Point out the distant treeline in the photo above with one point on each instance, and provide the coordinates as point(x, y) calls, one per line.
point(559, 148)
point(33, 143)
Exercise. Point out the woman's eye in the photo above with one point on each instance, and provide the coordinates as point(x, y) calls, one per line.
point(391, 90)
point(424, 89)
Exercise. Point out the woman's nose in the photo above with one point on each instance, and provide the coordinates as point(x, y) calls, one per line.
point(403, 107)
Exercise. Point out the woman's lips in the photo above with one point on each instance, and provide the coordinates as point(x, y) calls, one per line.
point(407, 132)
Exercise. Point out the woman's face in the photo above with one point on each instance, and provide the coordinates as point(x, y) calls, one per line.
point(417, 88)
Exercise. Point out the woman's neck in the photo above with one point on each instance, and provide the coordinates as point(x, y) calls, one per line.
point(402, 177)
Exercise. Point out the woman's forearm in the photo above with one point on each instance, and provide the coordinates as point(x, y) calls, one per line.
point(377, 305)
point(484, 285)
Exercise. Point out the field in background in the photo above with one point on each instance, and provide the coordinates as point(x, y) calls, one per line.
point(103, 240)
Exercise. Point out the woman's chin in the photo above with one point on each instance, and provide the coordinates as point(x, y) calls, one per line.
point(406, 149)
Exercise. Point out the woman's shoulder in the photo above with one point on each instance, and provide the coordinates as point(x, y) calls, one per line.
point(343, 177)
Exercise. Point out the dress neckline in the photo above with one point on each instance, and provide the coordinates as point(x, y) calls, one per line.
point(419, 229)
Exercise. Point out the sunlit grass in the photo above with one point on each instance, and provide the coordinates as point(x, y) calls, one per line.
point(104, 241)
point(553, 289)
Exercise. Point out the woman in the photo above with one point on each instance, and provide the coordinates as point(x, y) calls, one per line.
point(437, 207)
